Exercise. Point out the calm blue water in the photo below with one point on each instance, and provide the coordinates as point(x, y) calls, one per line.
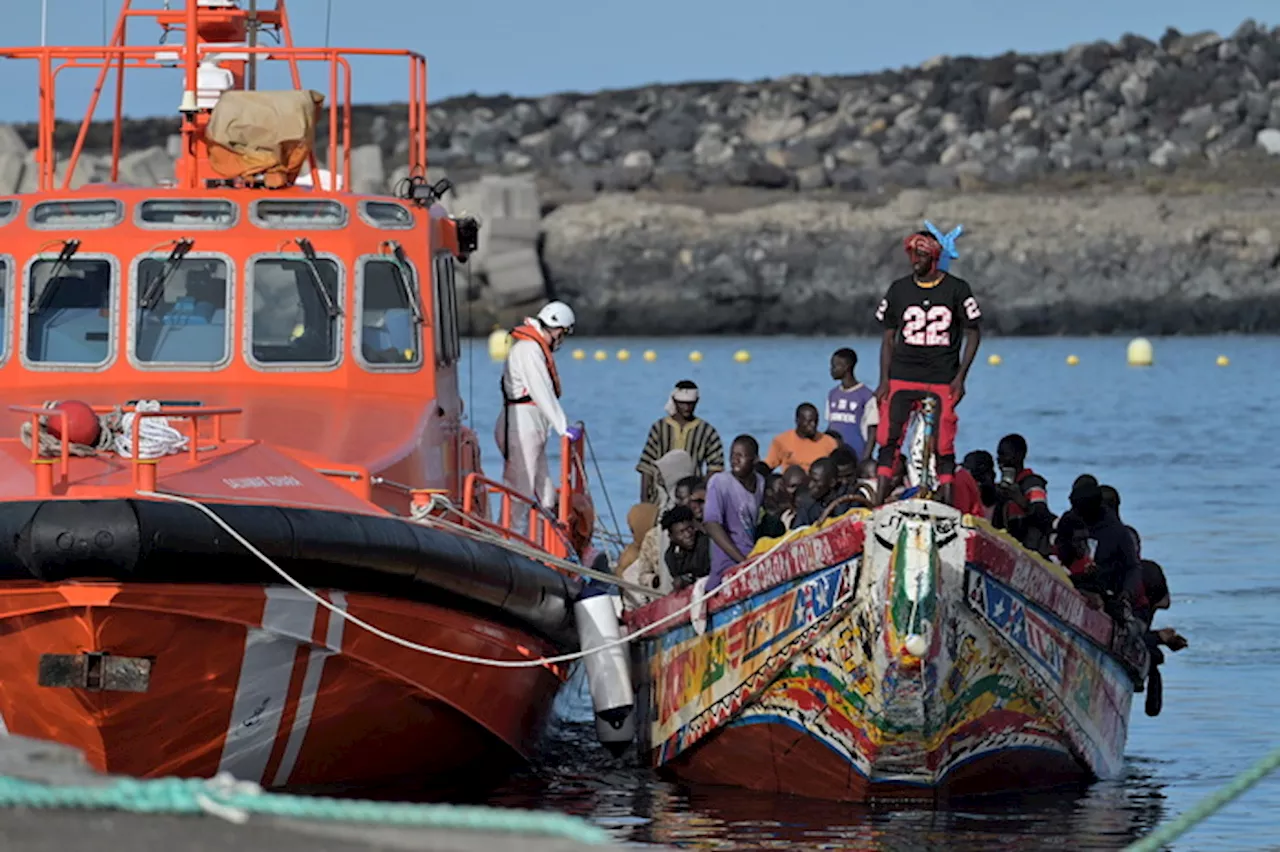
point(1189, 445)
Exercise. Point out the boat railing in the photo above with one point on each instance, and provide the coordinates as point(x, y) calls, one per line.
point(144, 469)
point(521, 518)
point(118, 56)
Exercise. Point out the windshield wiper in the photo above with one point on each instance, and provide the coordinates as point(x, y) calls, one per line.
point(69, 249)
point(410, 283)
point(309, 255)
point(155, 287)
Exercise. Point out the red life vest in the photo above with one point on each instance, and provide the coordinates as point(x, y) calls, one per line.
point(525, 331)
point(1034, 495)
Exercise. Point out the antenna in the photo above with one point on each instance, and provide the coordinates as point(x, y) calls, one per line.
point(328, 21)
point(44, 22)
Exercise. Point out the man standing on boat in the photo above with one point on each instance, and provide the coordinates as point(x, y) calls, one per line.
point(924, 316)
point(531, 402)
point(681, 429)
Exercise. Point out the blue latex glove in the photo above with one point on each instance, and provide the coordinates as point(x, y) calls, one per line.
point(948, 243)
point(574, 432)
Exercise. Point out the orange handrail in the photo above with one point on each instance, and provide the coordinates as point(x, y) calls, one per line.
point(119, 56)
point(144, 470)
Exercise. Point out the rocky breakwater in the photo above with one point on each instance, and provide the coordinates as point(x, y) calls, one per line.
point(1117, 108)
point(1041, 264)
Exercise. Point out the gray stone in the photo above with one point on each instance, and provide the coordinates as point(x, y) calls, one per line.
point(1269, 140)
point(766, 130)
point(712, 151)
point(860, 154)
point(637, 168)
point(811, 177)
point(1167, 154)
point(368, 174)
point(11, 168)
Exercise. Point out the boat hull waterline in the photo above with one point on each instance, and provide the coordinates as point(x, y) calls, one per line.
point(799, 681)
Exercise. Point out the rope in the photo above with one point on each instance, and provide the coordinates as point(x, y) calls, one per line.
point(1208, 806)
point(156, 438)
point(109, 425)
point(235, 800)
point(617, 530)
point(422, 516)
point(440, 652)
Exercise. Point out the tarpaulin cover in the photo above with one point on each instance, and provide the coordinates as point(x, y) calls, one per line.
point(263, 133)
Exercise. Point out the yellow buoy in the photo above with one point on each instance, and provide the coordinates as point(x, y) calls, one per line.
point(1223, 361)
point(601, 355)
point(695, 356)
point(994, 360)
point(578, 354)
point(623, 355)
point(650, 355)
point(1073, 360)
point(499, 344)
point(742, 356)
point(1140, 353)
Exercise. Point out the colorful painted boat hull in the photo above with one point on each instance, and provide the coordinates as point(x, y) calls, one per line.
point(801, 681)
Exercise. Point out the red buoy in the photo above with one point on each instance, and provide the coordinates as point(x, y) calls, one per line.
point(82, 423)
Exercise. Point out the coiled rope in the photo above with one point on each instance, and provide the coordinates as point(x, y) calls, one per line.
point(234, 801)
point(1208, 806)
point(156, 438)
point(695, 603)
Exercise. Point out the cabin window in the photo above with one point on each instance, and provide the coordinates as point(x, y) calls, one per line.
point(390, 316)
point(386, 214)
point(206, 213)
point(295, 310)
point(180, 311)
point(68, 307)
point(8, 210)
point(448, 345)
point(77, 214)
point(298, 213)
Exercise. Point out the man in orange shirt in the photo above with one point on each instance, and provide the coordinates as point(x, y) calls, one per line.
point(802, 445)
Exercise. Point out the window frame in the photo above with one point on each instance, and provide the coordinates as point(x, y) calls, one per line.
point(363, 212)
point(7, 261)
point(113, 319)
point(357, 329)
point(246, 335)
point(311, 225)
point(154, 226)
point(75, 226)
point(6, 218)
point(135, 293)
point(444, 318)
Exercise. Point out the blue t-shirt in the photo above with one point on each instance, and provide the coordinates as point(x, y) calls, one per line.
point(847, 414)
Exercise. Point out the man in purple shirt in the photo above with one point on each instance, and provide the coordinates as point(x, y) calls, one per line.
point(851, 409)
point(734, 497)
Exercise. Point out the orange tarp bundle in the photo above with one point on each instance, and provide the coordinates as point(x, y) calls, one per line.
point(263, 133)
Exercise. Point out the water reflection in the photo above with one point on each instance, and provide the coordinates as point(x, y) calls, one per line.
point(576, 777)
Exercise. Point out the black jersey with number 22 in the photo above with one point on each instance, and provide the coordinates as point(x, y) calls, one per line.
point(930, 322)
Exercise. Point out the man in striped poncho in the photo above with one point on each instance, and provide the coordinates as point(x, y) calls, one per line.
point(679, 430)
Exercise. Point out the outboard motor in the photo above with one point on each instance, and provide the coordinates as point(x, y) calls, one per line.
point(608, 672)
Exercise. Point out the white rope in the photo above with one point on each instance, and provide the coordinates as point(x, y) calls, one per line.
point(156, 438)
point(440, 652)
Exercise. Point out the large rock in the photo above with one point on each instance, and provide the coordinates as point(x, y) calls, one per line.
point(1190, 264)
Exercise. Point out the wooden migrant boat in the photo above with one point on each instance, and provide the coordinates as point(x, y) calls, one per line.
point(305, 339)
point(902, 652)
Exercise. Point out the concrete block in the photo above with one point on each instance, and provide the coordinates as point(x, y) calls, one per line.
point(514, 277)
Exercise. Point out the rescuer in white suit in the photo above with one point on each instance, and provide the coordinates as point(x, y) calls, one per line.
point(531, 402)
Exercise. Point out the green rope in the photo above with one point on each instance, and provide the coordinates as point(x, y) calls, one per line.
point(184, 796)
point(1208, 806)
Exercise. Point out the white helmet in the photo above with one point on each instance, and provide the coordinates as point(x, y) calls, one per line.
point(557, 315)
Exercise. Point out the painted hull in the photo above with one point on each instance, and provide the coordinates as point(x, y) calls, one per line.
point(267, 685)
point(802, 682)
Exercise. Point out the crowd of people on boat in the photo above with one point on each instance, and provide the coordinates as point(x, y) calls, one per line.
point(699, 517)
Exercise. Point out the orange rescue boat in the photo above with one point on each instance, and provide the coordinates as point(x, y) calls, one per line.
point(276, 449)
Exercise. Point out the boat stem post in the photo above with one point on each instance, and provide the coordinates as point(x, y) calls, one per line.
point(146, 476)
point(44, 477)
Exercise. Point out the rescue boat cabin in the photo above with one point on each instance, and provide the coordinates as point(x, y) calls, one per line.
point(327, 320)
